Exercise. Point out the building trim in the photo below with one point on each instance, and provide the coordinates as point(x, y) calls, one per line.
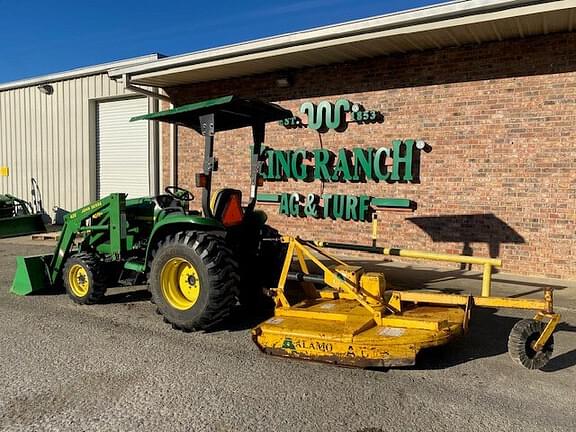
point(80, 72)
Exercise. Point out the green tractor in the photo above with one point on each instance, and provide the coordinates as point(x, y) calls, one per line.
point(197, 264)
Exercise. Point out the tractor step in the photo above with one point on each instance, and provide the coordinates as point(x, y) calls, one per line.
point(132, 272)
point(135, 265)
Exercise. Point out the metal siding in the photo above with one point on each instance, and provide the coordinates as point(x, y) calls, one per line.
point(13, 136)
point(2, 127)
point(122, 148)
point(19, 138)
point(3, 122)
point(67, 172)
point(60, 141)
point(57, 143)
point(26, 148)
point(85, 153)
point(48, 137)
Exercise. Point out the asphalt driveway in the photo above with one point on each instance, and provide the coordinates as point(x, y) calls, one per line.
point(117, 366)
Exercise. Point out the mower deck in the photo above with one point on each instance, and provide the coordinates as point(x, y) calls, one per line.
point(341, 331)
point(342, 314)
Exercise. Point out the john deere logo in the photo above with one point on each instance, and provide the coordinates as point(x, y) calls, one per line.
point(332, 116)
point(288, 344)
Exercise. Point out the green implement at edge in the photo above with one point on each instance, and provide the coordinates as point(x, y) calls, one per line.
point(21, 225)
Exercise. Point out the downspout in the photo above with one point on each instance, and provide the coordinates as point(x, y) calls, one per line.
point(154, 149)
point(173, 152)
point(129, 86)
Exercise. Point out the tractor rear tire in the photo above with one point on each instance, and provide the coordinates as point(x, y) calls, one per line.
point(523, 335)
point(194, 280)
point(83, 278)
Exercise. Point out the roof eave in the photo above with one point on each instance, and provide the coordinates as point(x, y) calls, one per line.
point(439, 16)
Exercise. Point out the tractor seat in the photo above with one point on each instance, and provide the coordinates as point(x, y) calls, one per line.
point(227, 207)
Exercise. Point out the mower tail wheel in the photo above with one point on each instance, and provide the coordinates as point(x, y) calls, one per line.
point(194, 280)
point(83, 279)
point(521, 339)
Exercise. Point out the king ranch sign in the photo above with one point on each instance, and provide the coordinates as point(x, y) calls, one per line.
point(398, 163)
point(354, 165)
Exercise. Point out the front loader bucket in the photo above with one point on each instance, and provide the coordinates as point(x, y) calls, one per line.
point(31, 275)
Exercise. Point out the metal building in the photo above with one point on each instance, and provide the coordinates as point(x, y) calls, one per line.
point(70, 131)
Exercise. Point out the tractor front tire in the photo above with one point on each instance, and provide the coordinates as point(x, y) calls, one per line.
point(194, 280)
point(83, 279)
point(523, 335)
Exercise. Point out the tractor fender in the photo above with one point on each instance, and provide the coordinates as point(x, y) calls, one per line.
point(178, 223)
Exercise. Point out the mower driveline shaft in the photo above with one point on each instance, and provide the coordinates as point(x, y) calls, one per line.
point(303, 277)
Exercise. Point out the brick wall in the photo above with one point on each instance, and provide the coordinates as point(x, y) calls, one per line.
point(499, 118)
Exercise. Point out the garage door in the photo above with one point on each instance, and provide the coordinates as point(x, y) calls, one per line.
point(122, 148)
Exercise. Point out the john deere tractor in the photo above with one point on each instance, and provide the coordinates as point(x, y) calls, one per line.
point(196, 264)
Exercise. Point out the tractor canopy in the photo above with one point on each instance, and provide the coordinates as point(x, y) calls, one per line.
point(223, 114)
point(230, 112)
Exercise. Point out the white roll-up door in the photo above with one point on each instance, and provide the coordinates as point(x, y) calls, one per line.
point(122, 163)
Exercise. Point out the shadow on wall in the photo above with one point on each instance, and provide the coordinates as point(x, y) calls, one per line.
point(468, 229)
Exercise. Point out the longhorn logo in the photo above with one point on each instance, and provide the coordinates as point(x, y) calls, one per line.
point(327, 115)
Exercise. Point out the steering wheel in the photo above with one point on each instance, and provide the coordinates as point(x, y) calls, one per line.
point(179, 193)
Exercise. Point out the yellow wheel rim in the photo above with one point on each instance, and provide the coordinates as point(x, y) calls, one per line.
point(78, 280)
point(180, 283)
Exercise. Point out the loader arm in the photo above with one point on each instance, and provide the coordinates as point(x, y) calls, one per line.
point(113, 208)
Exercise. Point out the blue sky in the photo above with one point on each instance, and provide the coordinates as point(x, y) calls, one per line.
point(40, 37)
